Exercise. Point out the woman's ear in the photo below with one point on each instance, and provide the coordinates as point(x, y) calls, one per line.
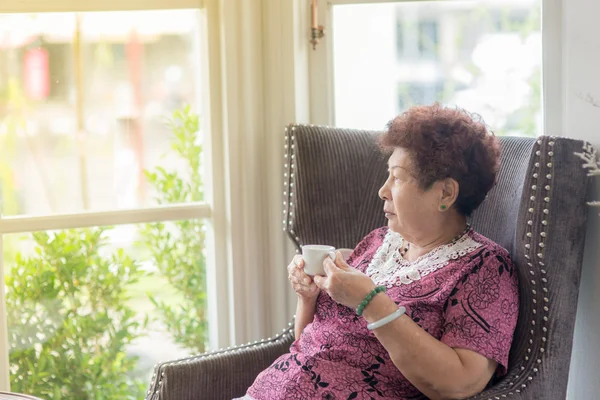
point(449, 193)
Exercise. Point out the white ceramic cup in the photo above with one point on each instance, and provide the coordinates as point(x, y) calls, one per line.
point(314, 255)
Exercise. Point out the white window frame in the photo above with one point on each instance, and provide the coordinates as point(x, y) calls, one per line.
point(213, 210)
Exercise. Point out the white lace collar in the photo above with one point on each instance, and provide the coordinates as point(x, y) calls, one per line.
point(389, 268)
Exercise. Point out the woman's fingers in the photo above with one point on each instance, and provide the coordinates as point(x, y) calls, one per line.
point(304, 288)
point(296, 269)
point(301, 277)
point(296, 281)
point(297, 262)
point(301, 282)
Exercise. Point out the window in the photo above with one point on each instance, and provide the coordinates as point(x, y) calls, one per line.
point(412, 94)
point(428, 38)
point(91, 311)
point(107, 223)
point(85, 98)
point(481, 56)
point(400, 38)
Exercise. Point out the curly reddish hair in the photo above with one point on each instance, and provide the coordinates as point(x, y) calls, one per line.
point(444, 143)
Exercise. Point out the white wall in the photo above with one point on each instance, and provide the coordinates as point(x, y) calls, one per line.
point(581, 75)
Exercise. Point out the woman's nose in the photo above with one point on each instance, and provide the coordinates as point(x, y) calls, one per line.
point(384, 192)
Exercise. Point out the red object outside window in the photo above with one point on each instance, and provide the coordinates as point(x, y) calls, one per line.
point(36, 74)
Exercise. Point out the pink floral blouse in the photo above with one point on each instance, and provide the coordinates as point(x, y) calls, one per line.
point(467, 297)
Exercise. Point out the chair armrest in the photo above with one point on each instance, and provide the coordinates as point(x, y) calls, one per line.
point(224, 374)
point(507, 385)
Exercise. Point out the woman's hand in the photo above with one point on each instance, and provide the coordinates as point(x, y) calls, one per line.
point(302, 284)
point(345, 285)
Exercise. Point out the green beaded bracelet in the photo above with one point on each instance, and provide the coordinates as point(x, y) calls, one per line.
point(368, 298)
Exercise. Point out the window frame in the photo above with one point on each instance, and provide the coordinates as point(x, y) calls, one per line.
point(213, 210)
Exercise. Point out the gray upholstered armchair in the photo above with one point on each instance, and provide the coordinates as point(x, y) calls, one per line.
point(537, 211)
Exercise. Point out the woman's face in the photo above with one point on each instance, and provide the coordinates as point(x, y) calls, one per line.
point(408, 208)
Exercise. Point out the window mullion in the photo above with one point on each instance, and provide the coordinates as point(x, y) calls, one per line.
point(105, 218)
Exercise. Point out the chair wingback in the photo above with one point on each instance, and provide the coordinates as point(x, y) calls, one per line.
point(549, 237)
point(332, 178)
point(504, 200)
point(536, 211)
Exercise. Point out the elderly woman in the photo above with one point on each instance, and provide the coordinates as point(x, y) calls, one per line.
point(423, 308)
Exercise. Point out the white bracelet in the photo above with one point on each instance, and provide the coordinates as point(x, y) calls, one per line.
point(386, 320)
